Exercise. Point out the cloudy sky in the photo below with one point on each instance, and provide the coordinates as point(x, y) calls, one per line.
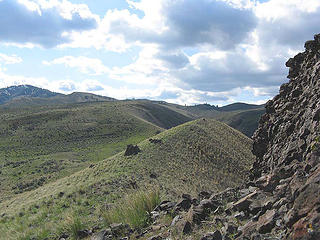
point(182, 51)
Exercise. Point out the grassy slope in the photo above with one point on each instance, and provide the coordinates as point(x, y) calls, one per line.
point(244, 121)
point(158, 113)
point(43, 144)
point(240, 116)
point(195, 156)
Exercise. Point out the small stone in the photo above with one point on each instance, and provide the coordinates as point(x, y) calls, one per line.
point(183, 204)
point(175, 220)
point(156, 228)
point(239, 216)
point(153, 175)
point(157, 237)
point(216, 235)
point(187, 228)
point(165, 206)
point(83, 233)
point(154, 215)
point(103, 235)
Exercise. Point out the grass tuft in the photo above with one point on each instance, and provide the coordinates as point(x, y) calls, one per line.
point(74, 226)
point(134, 209)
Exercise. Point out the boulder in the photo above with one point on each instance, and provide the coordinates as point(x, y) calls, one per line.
point(266, 222)
point(132, 150)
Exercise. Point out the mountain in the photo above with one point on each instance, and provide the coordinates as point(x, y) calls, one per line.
point(198, 155)
point(10, 93)
point(30, 96)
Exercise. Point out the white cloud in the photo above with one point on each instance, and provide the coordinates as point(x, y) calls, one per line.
point(41, 22)
point(13, 59)
point(248, 57)
point(92, 66)
point(147, 69)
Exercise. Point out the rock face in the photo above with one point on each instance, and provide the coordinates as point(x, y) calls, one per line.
point(286, 145)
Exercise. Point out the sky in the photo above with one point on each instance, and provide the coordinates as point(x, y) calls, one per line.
point(179, 51)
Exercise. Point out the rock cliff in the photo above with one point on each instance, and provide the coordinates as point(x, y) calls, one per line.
point(286, 145)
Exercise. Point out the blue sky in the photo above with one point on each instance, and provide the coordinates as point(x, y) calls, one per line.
point(182, 51)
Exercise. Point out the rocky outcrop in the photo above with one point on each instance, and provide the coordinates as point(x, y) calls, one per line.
point(287, 148)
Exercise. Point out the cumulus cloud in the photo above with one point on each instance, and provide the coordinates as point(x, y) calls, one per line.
point(85, 65)
point(41, 22)
point(239, 45)
point(232, 70)
point(184, 23)
point(288, 23)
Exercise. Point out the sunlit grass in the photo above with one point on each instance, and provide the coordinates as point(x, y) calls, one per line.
point(134, 209)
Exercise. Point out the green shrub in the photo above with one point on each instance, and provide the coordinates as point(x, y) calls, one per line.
point(134, 209)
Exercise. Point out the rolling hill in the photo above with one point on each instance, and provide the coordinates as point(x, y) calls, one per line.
point(198, 155)
point(241, 116)
point(239, 107)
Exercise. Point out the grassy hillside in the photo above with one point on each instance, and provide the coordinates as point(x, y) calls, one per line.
point(198, 155)
point(40, 145)
point(239, 107)
point(240, 116)
point(158, 113)
point(59, 99)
